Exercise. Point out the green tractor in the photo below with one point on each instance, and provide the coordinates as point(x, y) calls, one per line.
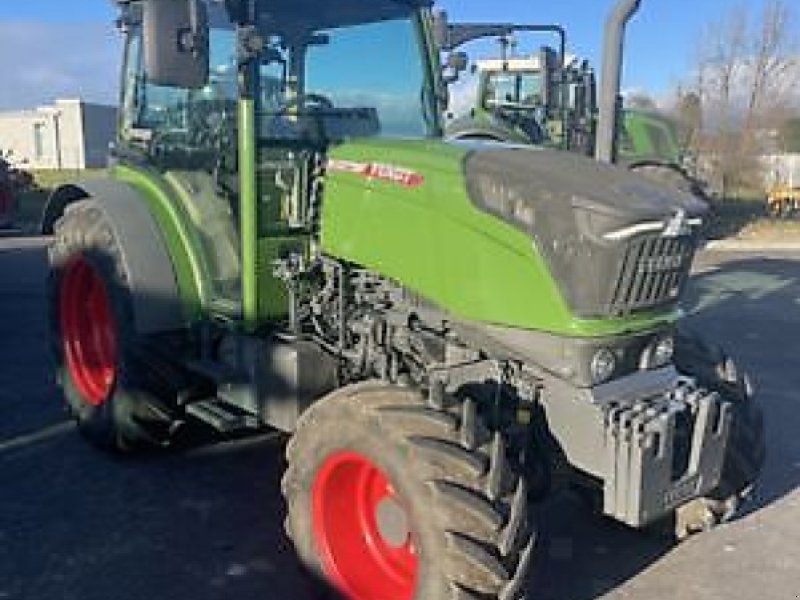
point(447, 332)
point(649, 143)
point(549, 98)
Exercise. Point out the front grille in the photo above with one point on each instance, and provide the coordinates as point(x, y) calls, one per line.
point(653, 273)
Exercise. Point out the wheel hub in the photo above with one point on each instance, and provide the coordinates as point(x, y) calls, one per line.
point(88, 332)
point(392, 521)
point(363, 531)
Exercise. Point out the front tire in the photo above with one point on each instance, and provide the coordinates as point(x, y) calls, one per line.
point(672, 176)
point(391, 499)
point(716, 371)
point(101, 365)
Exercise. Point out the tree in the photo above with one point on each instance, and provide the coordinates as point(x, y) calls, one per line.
point(744, 84)
point(789, 134)
point(688, 112)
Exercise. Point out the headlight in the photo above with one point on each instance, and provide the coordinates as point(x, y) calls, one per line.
point(658, 354)
point(603, 365)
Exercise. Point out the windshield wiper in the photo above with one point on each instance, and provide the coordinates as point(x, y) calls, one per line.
point(414, 3)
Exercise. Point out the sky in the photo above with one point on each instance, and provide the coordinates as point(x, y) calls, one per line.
point(57, 48)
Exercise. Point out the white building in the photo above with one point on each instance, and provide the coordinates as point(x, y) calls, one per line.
point(70, 134)
point(782, 169)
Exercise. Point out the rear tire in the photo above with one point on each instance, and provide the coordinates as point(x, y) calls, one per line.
point(715, 370)
point(118, 400)
point(391, 499)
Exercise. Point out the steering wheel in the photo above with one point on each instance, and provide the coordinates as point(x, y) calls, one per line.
point(310, 106)
point(309, 101)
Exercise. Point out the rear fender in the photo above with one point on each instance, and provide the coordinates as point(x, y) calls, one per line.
point(153, 283)
point(57, 203)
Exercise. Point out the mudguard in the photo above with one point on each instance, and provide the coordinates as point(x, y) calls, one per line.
point(62, 197)
point(153, 284)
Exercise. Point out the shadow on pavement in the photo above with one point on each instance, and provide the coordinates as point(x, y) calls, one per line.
point(582, 556)
point(205, 524)
point(751, 306)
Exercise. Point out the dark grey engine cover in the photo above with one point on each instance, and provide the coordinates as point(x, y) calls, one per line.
point(571, 205)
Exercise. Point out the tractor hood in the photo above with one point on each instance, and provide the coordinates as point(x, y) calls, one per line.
point(615, 242)
point(611, 242)
point(557, 195)
point(489, 125)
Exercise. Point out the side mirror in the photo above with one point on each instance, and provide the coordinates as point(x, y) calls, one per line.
point(458, 61)
point(441, 30)
point(456, 64)
point(176, 46)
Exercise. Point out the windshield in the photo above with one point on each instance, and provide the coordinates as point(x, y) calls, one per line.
point(363, 80)
point(507, 89)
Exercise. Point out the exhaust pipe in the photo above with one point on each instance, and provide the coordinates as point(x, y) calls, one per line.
point(610, 101)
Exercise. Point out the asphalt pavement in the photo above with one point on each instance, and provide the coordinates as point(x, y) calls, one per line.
point(208, 523)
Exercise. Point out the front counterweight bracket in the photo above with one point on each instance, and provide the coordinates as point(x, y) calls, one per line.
point(642, 440)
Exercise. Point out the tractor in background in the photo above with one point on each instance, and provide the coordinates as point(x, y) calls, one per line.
point(446, 332)
point(782, 185)
point(783, 201)
point(549, 98)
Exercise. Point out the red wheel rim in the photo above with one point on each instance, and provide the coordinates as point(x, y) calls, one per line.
point(363, 531)
point(88, 332)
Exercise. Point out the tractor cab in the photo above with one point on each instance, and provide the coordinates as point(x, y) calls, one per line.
point(239, 103)
point(513, 84)
point(314, 73)
point(545, 97)
point(519, 91)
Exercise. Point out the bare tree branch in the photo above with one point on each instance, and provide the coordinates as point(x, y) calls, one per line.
point(744, 82)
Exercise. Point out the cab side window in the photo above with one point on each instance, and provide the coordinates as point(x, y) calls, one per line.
point(182, 128)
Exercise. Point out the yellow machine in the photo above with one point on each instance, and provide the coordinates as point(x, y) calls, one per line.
point(783, 201)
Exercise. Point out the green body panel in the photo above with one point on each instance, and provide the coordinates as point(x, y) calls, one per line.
point(434, 241)
point(248, 213)
point(649, 136)
point(196, 237)
point(487, 125)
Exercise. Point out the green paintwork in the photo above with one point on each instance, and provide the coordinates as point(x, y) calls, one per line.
point(172, 205)
point(174, 200)
point(434, 241)
point(649, 136)
point(248, 212)
point(482, 124)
